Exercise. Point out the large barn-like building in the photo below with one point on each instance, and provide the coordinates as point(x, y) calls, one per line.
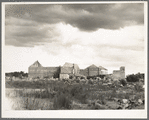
point(37, 70)
point(69, 69)
point(94, 71)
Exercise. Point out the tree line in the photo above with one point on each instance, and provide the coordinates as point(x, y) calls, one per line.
point(17, 74)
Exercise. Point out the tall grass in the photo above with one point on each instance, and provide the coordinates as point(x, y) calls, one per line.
point(62, 101)
point(62, 94)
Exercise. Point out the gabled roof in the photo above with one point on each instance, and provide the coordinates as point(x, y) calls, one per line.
point(102, 68)
point(70, 65)
point(66, 70)
point(36, 64)
point(92, 66)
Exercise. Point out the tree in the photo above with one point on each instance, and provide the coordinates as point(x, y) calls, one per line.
point(134, 78)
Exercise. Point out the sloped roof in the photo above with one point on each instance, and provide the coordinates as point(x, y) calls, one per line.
point(92, 66)
point(66, 70)
point(102, 68)
point(36, 64)
point(70, 65)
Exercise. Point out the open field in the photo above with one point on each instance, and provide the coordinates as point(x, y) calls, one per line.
point(74, 94)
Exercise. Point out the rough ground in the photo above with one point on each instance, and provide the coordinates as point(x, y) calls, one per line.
point(41, 95)
point(15, 102)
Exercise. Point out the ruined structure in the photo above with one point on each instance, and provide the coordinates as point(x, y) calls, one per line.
point(119, 74)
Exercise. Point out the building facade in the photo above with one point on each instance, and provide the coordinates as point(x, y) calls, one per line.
point(119, 74)
point(37, 70)
point(68, 69)
point(63, 72)
point(94, 71)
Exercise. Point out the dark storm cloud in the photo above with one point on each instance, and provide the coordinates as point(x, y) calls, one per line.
point(113, 16)
point(85, 17)
point(29, 36)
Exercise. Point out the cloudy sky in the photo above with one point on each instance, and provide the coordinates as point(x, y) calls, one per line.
point(108, 35)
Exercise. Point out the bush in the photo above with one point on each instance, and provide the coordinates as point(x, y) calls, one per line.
point(91, 77)
point(31, 104)
point(90, 82)
point(62, 102)
point(75, 90)
point(138, 87)
point(82, 77)
point(123, 82)
point(46, 77)
point(77, 81)
point(133, 78)
point(70, 77)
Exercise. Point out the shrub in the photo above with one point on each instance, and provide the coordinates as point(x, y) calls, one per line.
point(91, 77)
point(79, 93)
point(138, 87)
point(46, 77)
point(31, 104)
point(90, 82)
point(82, 97)
point(132, 78)
point(123, 82)
point(82, 77)
point(75, 90)
point(70, 77)
point(77, 81)
point(62, 102)
point(112, 94)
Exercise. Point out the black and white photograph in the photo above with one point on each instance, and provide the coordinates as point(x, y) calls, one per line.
point(74, 59)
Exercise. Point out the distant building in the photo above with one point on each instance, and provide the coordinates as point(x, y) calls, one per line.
point(37, 70)
point(68, 69)
point(63, 72)
point(103, 71)
point(94, 71)
point(119, 74)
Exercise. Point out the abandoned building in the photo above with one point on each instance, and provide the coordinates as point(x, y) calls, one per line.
point(37, 70)
point(69, 69)
point(119, 74)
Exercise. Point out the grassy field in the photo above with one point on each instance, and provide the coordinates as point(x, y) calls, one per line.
point(61, 95)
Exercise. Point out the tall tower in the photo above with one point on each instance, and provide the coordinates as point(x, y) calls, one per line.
point(122, 72)
point(122, 69)
point(73, 72)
